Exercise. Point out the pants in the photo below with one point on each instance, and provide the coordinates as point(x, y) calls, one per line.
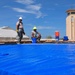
point(20, 35)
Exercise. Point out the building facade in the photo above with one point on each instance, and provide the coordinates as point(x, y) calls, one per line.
point(70, 24)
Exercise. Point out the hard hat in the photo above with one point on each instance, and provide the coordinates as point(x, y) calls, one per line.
point(20, 18)
point(34, 28)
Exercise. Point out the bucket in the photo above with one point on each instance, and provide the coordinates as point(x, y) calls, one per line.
point(34, 40)
point(65, 38)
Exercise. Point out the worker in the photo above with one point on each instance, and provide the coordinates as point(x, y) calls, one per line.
point(36, 34)
point(20, 29)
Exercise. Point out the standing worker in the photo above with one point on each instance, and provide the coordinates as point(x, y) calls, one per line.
point(20, 29)
point(36, 34)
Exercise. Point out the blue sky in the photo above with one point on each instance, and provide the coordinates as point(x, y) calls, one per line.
point(47, 15)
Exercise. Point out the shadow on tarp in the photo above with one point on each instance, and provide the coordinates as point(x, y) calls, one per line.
point(5, 73)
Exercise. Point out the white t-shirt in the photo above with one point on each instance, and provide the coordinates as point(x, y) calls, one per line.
point(35, 33)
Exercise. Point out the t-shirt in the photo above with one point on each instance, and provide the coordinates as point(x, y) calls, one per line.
point(35, 33)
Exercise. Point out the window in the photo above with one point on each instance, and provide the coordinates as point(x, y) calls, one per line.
point(72, 12)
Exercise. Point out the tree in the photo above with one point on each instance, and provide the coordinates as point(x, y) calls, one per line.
point(49, 37)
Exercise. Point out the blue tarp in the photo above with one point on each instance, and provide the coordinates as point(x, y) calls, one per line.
point(37, 59)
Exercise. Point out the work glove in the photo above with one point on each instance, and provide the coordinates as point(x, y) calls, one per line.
point(16, 30)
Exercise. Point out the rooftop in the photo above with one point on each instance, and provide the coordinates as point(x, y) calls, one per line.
point(7, 32)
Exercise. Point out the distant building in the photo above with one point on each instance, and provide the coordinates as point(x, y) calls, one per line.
point(8, 33)
point(70, 24)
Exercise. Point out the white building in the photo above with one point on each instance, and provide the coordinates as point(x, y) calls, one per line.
point(8, 33)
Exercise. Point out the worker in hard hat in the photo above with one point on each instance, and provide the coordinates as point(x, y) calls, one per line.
point(20, 29)
point(36, 34)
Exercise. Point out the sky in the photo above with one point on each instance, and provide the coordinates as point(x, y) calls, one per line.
point(47, 15)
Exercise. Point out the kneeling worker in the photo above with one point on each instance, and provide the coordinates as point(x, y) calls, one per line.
point(36, 34)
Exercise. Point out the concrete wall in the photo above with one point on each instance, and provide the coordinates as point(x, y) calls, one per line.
point(70, 27)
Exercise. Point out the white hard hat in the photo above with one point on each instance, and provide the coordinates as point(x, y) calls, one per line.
point(20, 18)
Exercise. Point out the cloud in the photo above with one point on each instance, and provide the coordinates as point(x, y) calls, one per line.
point(37, 13)
point(30, 7)
point(45, 27)
point(25, 1)
point(34, 7)
point(20, 10)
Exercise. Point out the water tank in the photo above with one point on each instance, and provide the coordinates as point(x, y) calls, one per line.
point(57, 35)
